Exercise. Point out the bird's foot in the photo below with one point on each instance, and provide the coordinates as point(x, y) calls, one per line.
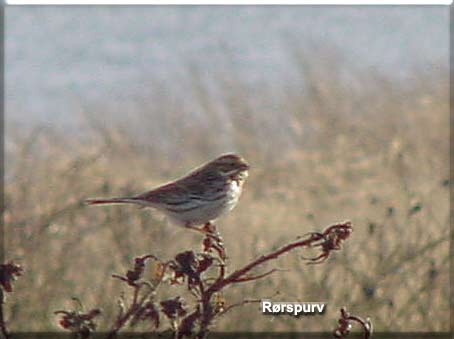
point(212, 240)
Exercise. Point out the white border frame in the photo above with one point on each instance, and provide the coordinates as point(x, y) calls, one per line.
point(229, 2)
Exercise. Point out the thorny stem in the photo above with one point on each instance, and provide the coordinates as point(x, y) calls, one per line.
point(3, 329)
point(234, 276)
point(207, 315)
point(125, 317)
point(244, 302)
point(256, 277)
point(331, 241)
point(345, 324)
point(190, 267)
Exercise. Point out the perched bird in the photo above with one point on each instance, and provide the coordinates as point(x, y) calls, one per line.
point(198, 198)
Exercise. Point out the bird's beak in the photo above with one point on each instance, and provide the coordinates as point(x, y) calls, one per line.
point(245, 167)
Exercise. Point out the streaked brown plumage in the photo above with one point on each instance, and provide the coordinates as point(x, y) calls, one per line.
point(201, 196)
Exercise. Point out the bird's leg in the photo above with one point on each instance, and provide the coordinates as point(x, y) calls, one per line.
point(201, 230)
point(211, 231)
point(208, 229)
point(213, 239)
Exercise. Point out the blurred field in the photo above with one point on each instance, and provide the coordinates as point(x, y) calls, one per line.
point(339, 145)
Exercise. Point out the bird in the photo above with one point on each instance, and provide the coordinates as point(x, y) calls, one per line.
point(198, 198)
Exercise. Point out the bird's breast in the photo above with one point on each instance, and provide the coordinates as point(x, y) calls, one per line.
point(234, 192)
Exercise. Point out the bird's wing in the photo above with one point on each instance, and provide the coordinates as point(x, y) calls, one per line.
point(195, 188)
point(170, 194)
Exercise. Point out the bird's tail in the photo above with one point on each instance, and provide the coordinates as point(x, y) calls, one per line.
point(102, 201)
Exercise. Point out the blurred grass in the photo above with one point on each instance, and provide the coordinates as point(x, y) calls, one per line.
point(340, 144)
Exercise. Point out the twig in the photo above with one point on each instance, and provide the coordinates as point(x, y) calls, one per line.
point(345, 325)
point(3, 328)
point(255, 277)
point(191, 268)
point(8, 273)
point(244, 302)
point(329, 240)
point(275, 254)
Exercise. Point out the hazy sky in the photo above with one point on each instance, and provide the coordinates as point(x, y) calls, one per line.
point(59, 56)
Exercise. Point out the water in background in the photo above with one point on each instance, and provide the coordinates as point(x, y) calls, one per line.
point(59, 58)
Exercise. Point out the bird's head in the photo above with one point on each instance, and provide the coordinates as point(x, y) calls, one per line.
point(230, 165)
